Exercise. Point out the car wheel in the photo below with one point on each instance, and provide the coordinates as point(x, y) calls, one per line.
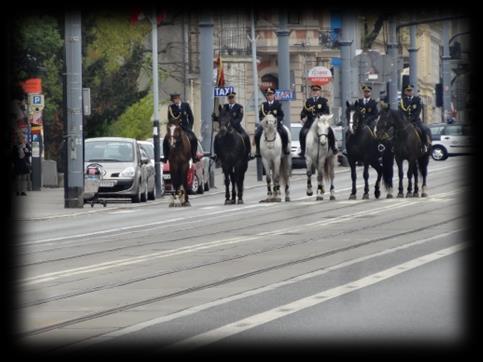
point(195, 185)
point(439, 153)
point(136, 198)
point(144, 195)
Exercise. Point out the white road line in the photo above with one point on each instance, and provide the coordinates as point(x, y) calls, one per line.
point(191, 248)
point(201, 246)
point(256, 320)
point(192, 310)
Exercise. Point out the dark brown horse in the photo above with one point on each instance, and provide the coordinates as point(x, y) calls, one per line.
point(179, 157)
point(407, 143)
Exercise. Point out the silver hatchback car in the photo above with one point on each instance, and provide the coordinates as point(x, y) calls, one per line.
point(124, 167)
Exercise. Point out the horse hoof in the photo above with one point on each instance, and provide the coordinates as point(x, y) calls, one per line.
point(409, 194)
point(171, 205)
point(264, 200)
point(332, 197)
point(227, 202)
point(400, 195)
point(365, 197)
point(187, 203)
point(416, 194)
point(424, 194)
point(389, 196)
point(240, 202)
point(319, 198)
point(276, 199)
point(287, 199)
point(352, 197)
point(309, 193)
point(377, 194)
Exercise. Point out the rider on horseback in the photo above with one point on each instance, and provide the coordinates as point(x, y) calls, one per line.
point(411, 107)
point(368, 107)
point(312, 107)
point(236, 112)
point(271, 106)
point(181, 112)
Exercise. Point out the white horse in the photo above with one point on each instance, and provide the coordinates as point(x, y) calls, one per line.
point(319, 157)
point(277, 165)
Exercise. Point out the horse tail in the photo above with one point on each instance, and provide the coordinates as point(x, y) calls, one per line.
point(328, 168)
point(387, 168)
point(423, 162)
point(286, 168)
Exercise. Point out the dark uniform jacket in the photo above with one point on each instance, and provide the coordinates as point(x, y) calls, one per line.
point(236, 113)
point(275, 108)
point(411, 108)
point(312, 108)
point(369, 110)
point(182, 113)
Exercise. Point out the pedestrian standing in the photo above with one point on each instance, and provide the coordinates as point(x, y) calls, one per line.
point(21, 159)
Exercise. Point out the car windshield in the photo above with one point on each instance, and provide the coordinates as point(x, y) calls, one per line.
point(109, 151)
point(149, 149)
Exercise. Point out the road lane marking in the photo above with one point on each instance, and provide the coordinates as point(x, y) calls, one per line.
point(256, 320)
point(199, 308)
point(201, 246)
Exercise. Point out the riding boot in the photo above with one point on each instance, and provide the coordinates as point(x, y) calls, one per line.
point(302, 141)
point(258, 135)
point(248, 146)
point(164, 159)
point(332, 141)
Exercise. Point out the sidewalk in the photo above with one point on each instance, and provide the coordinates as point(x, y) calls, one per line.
point(49, 202)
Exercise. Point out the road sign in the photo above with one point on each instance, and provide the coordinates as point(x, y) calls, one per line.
point(284, 95)
point(223, 91)
point(35, 102)
point(319, 76)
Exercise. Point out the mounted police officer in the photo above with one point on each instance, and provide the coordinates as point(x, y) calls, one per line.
point(313, 106)
point(411, 107)
point(181, 112)
point(236, 113)
point(368, 107)
point(274, 107)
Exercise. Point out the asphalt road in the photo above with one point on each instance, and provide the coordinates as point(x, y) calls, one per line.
point(213, 276)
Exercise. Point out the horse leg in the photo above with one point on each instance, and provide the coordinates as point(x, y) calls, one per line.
point(186, 201)
point(401, 176)
point(320, 186)
point(415, 173)
point(227, 187)
point(410, 179)
point(365, 174)
point(423, 168)
point(377, 166)
point(233, 187)
point(309, 181)
point(352, 165)
point(276, 180)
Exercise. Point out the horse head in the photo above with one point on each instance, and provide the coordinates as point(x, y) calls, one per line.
point(174, 134)
point(322, 124)
point(224, 120)
point(354, 117)
point(269, 122)
point(385, 121)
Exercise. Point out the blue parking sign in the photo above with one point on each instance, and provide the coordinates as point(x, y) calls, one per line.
point(37, 100)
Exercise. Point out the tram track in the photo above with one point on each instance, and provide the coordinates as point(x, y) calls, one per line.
point(226, 280)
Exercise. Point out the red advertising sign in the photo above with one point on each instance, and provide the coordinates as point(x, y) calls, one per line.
point(319, 76)
point(32, 85)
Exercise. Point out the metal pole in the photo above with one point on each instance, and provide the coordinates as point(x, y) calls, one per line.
point(74, 183)
point(413, 59)
point(206, 72)
point(253, 40)
point(392, 50)
point(446, 72)
point(345, 90)
point(157, 151)
point(284, 62)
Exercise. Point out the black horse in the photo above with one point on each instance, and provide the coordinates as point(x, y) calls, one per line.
point(231, 149)
point(362, 145)
point(407, 144)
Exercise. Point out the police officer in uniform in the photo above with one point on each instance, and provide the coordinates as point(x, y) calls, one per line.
point(236, 113)
point(368, 107)
point(411, 107)
point(271, 106)
point(313, 106)
point(181, 112)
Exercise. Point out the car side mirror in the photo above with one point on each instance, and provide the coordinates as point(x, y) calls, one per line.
point(145, 160)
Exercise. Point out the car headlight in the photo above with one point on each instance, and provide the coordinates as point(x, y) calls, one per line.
point(128, 172)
